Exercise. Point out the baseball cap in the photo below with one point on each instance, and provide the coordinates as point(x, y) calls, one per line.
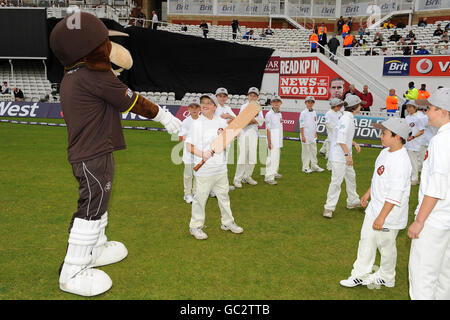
point(210, 96)
point(310, 98)
point(276, 98)
point(254, 90)
point(352, 100)
point(440, 98)
point(221, 90)
point(194, 102)
point(336, 102)
point(412, 103)
point(396, 125)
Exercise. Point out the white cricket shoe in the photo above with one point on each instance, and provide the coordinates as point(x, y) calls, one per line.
point(307, 170)
point(272, 182)
point(188, 198)
point(378, 281)
point(317, 169)
point(327, 213)
point(198, 233)
point(354, 205)
point(250, 180)
point(113, 251)
point(233, 227)
point(237, 184)
point(89, 282)
point(353, 282)
point(278, 176)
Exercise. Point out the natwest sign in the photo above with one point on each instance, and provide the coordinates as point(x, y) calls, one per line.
point(302, 77)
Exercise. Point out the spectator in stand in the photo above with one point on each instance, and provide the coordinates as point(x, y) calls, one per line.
point(423, 22)
point(372, 52)
point(445, 50)
point(410, 35)
point(422, 50)
point(140, 21)
point(361, 31)
point(322, 33)
point(154, 20)
point(377, 36)
point(351, 90)
point(401, 25)
point(401, 44)
point(447, 27)
point(18, 94)
point(388, 25)
point(395, 37)
point(350, 24)
point(361, 42)
point(413, 45)
point(5, 89)
point(345, 30)
point(366, 98)
point(268, 32)
point(385, 52)
point(407, 51)
point(391, 103)
point(204, 27)
point(340, 23)
point(333, 44)
point(438, 31)
point(314, 40)
point(235, 28)
point(444, 37)
point(422, 92)
point(249, 35)
point(378, 43)
point(348, 44)
point(183, 27)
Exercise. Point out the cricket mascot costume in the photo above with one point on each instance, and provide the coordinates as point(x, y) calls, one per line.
point(92, 98)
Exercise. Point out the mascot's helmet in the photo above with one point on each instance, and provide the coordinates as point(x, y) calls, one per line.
point(76, 36)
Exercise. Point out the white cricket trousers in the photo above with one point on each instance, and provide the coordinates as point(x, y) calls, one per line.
point(188, 178)
point(370, 241)
point(248, 148)
point(339, 172)
point(414, 157)
point(326, 147)
point(272, 163)
point(309, 155)
point(429, 265)
point(204, 185)
point(422, 152)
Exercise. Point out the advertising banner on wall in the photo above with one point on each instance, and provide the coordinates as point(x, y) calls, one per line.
point(364, 128)
point(421, 66)
point(302, 77)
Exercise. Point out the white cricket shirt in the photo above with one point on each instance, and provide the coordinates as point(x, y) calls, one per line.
point(416, 124)
point(203, 133)
point(254, 127)
point(344, 132)
point(391, 182)
point(435, 179)
point(274, 123)
point(308, 121)
point(222, 110)
point(331, 120)
point(186, 125)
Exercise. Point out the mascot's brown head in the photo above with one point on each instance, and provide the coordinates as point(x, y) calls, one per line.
point(83, 38)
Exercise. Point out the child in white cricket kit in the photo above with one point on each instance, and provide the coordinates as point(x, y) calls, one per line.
point(274, 126)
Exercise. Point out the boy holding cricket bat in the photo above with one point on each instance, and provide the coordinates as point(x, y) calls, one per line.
point(212, 176)
point(387, 212)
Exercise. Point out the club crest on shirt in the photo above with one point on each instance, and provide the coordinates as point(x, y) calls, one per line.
point(219, 131)
point(426, 156)
point(412, 124)
point(380, 170)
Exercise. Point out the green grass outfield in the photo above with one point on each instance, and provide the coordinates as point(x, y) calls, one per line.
point(287, 251)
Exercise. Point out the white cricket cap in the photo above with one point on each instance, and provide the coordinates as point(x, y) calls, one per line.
point(253, 90)
point(412, 103)
point(440, 98)
point(310, 98)
point(396, 125)
point(352, 100)
point(336, 102)
point(221, 90)
point(194, 101)
point(210, 96)
point(276, 98)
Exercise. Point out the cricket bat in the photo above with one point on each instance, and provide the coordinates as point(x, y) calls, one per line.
point(233, 129)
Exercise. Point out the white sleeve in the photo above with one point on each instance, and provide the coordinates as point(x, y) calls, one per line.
point(439, 170)
point(342, 131)
point(268, 121)
point(194, 134)
point(183, 130)
point(301, 120)
point(229, 111)
point(398, 176)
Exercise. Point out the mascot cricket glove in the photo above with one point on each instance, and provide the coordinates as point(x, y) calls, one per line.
point(171, 123)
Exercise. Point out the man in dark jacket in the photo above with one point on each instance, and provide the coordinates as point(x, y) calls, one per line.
point(235, 28)
point(333, 44)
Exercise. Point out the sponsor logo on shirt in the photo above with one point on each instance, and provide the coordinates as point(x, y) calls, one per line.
point(219, 131)
point(412, 124)
point(129, 93)
point(380, 170)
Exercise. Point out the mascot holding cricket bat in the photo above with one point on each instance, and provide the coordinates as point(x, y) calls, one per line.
point(92, 98)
